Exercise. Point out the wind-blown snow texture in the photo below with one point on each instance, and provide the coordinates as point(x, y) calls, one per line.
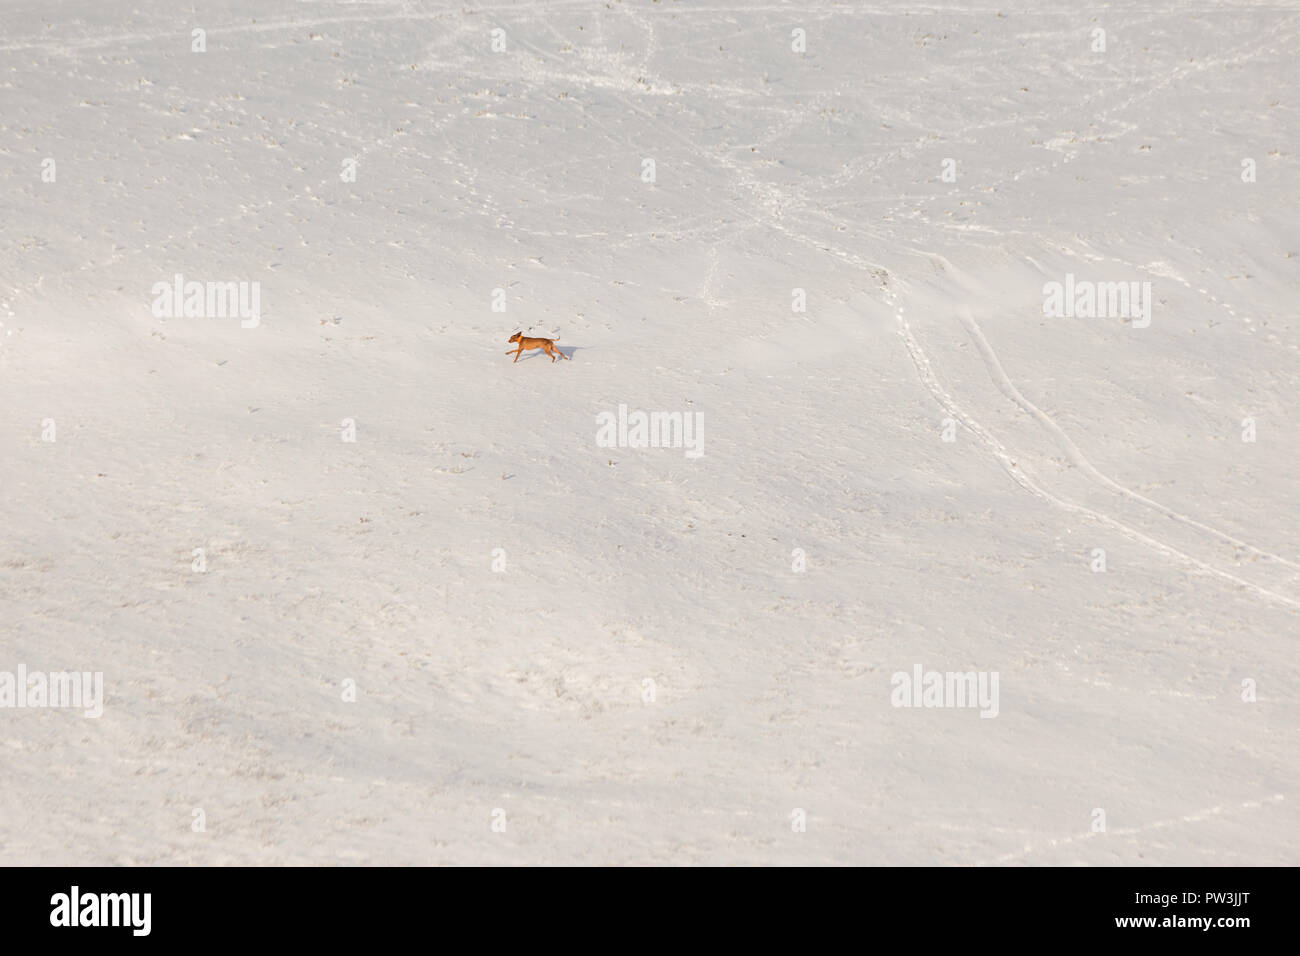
point(524, 690)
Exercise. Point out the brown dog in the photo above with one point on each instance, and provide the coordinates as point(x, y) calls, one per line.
point(546, 345)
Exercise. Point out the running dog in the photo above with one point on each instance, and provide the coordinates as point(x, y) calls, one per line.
point(546, 345)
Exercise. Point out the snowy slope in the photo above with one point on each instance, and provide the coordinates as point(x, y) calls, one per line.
point(523, 690)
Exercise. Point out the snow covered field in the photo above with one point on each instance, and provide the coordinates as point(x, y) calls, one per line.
point(476, 634)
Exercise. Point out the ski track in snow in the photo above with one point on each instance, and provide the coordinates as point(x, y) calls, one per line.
point(1198, 817)
point(1009, 464)
point(1076, 457)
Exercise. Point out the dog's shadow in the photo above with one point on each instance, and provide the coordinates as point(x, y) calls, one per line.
point(565, 350)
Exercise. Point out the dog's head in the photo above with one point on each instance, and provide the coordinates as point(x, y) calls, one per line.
point(516, 337)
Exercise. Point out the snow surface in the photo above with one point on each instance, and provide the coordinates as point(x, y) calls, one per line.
point(522, 690)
